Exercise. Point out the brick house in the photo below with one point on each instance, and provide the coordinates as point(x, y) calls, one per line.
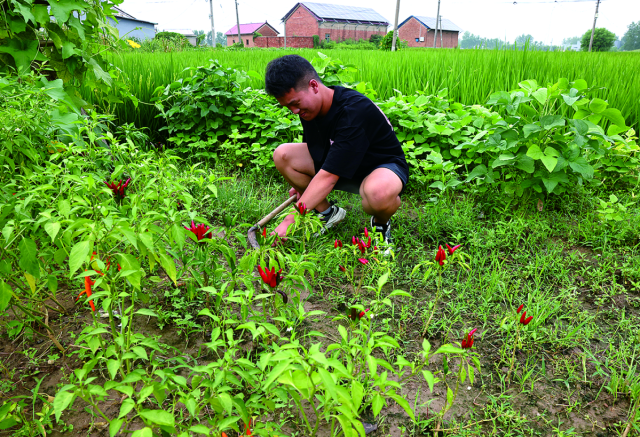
point(333, 22)
point(419, 32)
point(247, 31)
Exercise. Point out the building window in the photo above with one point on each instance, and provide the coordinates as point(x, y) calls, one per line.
point(417, 39)
point(247, 42)
point(327, 37)
point(234, 41)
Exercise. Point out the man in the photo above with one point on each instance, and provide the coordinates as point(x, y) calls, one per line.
point(349, 145)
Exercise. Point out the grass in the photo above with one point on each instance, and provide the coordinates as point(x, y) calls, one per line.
point(471, 76)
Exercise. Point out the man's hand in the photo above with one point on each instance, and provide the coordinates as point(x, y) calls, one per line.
point(281, 230)
point(294, 192)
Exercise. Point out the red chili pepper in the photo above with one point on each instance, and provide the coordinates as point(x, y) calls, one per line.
point(337, 243)
point(362, 313)
point(520, 309)
point(270, 277)
point(468, 342)
point(363, 261)
point(200, 230)
point(354, 240)
point(366, 232)
point(524, 319)
point(342, 268)
point(302, 208)
point(441, 256)
point(264, 232)
point(88, 283)
point(453, 249)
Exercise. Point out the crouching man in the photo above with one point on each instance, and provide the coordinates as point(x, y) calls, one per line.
point(348, 145)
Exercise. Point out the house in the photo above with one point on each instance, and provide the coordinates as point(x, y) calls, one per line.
point(419, 32)
point(333, 22)
point(247, 32)
point(191, 37)
point(127, 24)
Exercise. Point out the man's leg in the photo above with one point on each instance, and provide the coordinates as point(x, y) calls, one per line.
point(295, 164)
point(380, 192)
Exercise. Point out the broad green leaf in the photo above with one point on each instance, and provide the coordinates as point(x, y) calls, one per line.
point(598, 105)
point(112, 367)
point(23, 51)
point(144, 432)
point(114, 426)
point(479, 170)
point(526, 163)
point(169, 267)
point(329, 383)
point(129, 262)
point(5, 295)
point(376, 404)
point(226, 402)
point(581, 166)
point(31, 280)
point(550, 162)
point(541, 95)
point(146, 312)
point(62, 400)
point(614, 116)
point(62, 9)
point(29, 257)
point(201, 429)
point(528, 129)
point(449, 349)
point(404, 404)
point(357, 393)
point(158, 417)
point(275, 373)
point(79, 253)
point(428, 376)
point(550, 121)
point(52, 229)
point(534, 152)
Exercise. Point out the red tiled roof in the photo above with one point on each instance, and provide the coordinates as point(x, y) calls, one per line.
point(245, 29)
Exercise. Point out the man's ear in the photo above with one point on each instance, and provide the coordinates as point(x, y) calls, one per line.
point(315, 86)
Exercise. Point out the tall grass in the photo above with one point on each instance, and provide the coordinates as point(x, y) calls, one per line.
point(470, 75)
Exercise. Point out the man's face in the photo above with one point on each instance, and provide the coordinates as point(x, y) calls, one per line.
point(306, 102)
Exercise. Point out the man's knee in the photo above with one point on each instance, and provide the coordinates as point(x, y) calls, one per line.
point(379, 196)
point(281, 155)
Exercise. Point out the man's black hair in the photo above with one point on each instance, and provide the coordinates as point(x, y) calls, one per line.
point(286, 72)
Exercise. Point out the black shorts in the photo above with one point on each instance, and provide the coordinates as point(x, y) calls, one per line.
point(353, 185)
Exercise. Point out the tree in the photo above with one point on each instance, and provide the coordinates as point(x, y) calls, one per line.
point(200, 36)
point(571, 41)
point(603, 40)
point(524, 39)
point(470, 41)
point(221, 40)
point(631, 39)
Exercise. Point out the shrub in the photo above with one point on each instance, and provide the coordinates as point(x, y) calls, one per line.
point(171, 35)
point(316, 42)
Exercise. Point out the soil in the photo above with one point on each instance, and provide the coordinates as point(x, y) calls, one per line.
point(481, 408)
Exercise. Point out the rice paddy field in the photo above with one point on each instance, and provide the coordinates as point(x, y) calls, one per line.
point(469, 75)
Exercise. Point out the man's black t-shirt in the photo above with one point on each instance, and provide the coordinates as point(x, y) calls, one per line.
point(353, 138)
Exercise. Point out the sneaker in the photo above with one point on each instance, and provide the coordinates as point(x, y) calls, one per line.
point(385, 239)
point(331, 219)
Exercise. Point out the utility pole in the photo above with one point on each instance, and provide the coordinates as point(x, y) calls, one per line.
point(441, 44)
point(238, 21)
point(285, 34)
point(213, 29)
point(435, 37)
point(593, 29)
point(395, 27)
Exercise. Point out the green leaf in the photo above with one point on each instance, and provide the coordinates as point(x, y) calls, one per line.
point(526, 164)
point(449, 349)
point(550, 162)
point(534, 152)
point(275, 373)
point(329, 383)
point(144, 432)
point(598, 106)
point(158, 417)
point(114, 426)
point(404, 404)
point(62, 9)
point(581, 166)
point(376, 404)
point(226, 402)
point(428, 376)
point(146, 312)
point(99, 72)
point(541, 95)
point(23, 51)
point(113, 366)
point(29, 257)
point(169, 267)
point(550, 121)
point(68, 49)
point(357, 393)
point(479, 170)
point(399, 293)
point(528, 129)
point(62, 400)
point(201, 429)
point(52, 229)
point(79, 253)
point(129, 262)
point(5, 295)
point(614, 116)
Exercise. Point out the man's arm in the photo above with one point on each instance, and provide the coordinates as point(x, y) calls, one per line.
point(318, 189)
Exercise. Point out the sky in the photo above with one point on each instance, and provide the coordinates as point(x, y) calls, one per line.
point(549, 21)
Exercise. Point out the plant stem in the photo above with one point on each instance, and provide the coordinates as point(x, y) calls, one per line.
point(435, 304)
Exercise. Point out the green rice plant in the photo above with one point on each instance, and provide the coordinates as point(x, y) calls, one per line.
point(471, 76)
